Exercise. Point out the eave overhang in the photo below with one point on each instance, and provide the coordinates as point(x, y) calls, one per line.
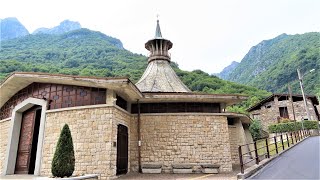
point(245, 119)
point(19, 80)
point(228, 99)
point(271, 98)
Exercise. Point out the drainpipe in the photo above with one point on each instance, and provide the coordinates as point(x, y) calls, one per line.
point(139, 138)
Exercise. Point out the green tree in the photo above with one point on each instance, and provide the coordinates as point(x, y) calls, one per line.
point(63, 160)
point(255, 129)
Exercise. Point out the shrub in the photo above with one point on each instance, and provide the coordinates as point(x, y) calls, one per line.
point(63, 160)
point(292, 126)
point(272, 128)
point(255, 129)
point(310, 124)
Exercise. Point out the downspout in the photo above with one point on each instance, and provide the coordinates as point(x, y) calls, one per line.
point(139, 139)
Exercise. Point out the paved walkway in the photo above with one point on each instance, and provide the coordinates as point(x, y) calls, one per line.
point(137, 176)
point(18, 177)
point(300, 162)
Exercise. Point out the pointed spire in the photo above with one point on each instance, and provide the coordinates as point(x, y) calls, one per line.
point(158, 31)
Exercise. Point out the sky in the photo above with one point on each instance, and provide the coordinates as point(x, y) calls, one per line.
point(206, 34)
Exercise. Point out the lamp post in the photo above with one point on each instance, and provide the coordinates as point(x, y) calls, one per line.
point(303, 95)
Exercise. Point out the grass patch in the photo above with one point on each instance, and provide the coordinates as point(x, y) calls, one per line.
point(263, 150)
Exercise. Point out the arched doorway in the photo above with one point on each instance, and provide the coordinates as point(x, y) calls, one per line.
point(122, 150)
point(26, 133)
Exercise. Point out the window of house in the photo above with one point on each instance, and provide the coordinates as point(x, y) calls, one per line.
point(230, 121)
point(179, 107)
point(121, 102)
point(283, 98)
point(297, 98)
point(284, 112)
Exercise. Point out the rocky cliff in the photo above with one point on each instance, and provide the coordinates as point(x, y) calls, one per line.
point(11, 28)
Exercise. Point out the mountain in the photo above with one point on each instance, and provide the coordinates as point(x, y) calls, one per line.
point(90, 53)
point(224, 74)
point(11, 28)
point(63, 27)
point(272, 64)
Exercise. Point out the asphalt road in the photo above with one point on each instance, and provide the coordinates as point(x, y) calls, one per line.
point(300, 162)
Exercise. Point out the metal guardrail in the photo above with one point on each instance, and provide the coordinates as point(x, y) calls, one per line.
point(278, 142)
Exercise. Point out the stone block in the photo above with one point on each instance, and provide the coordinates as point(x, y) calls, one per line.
point(210, 171)
point(151, 171)
point(182, 168)
point(210, 168)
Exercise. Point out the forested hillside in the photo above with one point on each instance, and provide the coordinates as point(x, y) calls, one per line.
point(80, 52)
point(273, 64)
point(89, 53)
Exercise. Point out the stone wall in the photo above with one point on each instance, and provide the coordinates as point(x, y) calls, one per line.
point(93, 132)
point(269, 112)
point(237, 137)
point(4, 135)
point(166, 138)
point(120, 116)
point(133, 154)
point(183, 138)
point(299, 109)
point(267, 116)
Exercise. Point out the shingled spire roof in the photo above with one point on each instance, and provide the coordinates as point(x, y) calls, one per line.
point(159, 76)
point(158, 31)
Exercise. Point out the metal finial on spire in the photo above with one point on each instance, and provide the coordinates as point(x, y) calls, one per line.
point(158, 31)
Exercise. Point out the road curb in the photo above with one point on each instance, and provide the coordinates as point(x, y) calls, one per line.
point(255, 168)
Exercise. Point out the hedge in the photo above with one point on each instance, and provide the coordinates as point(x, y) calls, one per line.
point(292, 126)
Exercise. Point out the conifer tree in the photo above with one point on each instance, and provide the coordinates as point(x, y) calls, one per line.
point(63, 160)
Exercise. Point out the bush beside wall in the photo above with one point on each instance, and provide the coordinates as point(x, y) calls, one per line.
point(292, 126)
point(255, 129)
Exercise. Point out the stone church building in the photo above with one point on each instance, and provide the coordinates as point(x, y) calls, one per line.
point(116, 125)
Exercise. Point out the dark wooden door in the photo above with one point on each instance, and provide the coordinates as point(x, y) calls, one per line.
point(25, 141)
point(122, 150)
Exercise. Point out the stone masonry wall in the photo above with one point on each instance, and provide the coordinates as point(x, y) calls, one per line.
point(134, 144)
point(93, 135)
point(236, 134)
point(166, 138)
point(120, 117)
point(299, 109)
point(267, 116)
point(182, 138)
point(4, 135)
point(233, 132)
point(269, 112)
